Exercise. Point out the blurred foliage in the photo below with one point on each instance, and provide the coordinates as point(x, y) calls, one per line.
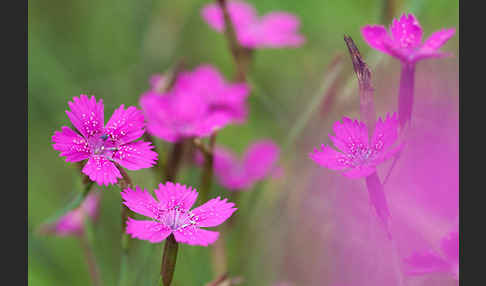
point(110, 48)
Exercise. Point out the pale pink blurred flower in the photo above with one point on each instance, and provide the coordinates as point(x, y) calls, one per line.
point(102, 145)
point(157, 82)
point(274, 30)
point(358, 157)
point(199, 103)
point(171, 214)
point(258, 162)
point(405, 39)
point(72, 223)
point(431, 261)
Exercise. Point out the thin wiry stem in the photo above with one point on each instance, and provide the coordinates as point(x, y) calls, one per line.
point(207, 173)
point(242, 56)
point(124, 183)
point(90, 260)
point(174, 161)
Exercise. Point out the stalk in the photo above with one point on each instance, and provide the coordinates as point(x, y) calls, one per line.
point(174, 161)
point(242, 56)
point(368, 115)
point(405, 95)
point(169, 259)
point(124, 183)
point(90, 260)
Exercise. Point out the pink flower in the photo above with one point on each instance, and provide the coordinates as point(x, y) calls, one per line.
point(200, 103)
point(171, 214)
point(258, 162)
point(357, 157)
point(102, 145)
point(72, 223)
point(405, 41)
point(157, 82)
point(274, 30)
point(429, 262)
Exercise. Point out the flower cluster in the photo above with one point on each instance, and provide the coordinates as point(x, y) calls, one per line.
point(199, 103)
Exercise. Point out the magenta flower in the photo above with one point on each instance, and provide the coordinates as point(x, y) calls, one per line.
point(72, 223)
point(171, 214)
point(199, 103)
point(405, 41)
point(258, 162)
point(104, 146)
point(274, 30)
point(429, 262)
point(358, 157)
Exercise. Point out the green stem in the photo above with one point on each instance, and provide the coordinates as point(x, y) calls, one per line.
point(207, 175)
point(174, 161)
point(242, 56)
point(90, 260)
point(169, 258)
point(124, 183)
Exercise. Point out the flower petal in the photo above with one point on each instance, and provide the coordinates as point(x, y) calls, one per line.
point(171, 195)
point(136, 155)
point(90, 205)
point(196, 236)
point(260, 159)
point(147, 230)
point(406, 32)
point(125, 125)
point(241, 14)
point(141, 201)
point(349, 133)
point(437, 40)
point(386, 132)
point(71, 145)
point(156, 109)
point(86, 115)
point(275, 29)
point(329, 158)
point(376, 36)
point(101, 170)
point(213, 213)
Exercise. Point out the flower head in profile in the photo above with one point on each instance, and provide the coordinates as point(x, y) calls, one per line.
point(430, 261)
point(357, 156)
point(72, 223)
point(104, 145)
point(405, 39)
point(171, 213)
point(274, 30)
point(199, 103)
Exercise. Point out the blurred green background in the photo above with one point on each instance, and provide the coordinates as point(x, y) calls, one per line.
point(111, 48)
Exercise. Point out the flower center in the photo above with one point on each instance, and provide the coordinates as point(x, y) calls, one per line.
point(176, 218)
point(100, 145)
